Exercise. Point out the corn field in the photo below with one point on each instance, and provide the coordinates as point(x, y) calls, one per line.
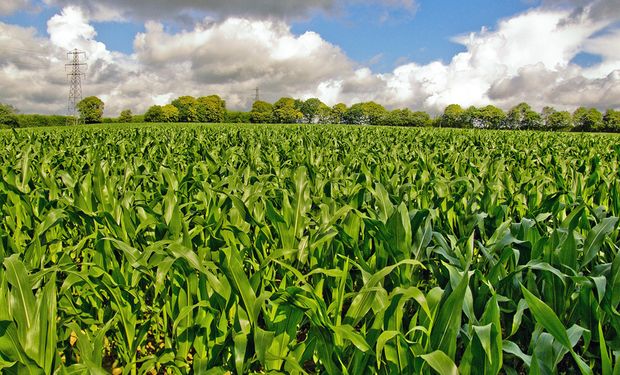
point(179, 249)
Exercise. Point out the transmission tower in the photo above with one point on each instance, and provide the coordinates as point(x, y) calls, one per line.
point(257, 95)
point(74, 75)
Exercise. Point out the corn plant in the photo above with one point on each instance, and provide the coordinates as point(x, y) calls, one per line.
point(308, 249)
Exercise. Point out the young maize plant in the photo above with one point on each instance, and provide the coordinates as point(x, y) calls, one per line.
point(222, 249)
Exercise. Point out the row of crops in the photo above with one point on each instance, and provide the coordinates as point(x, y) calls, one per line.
point(306, 249)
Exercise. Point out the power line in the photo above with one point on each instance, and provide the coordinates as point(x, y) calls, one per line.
point(75, 76)
point(18, 50)
point(18, 58)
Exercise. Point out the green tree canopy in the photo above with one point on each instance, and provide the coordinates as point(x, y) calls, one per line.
point(406, 117)
point(545, 114)
point(374, 112)
point(310, 110)
point(612, 120)
point(489, 117)
point(126, 116)
point(211, 109)
point(262, 112)
point(8, 116)
point(397, 117)
point(154, 114)
point(419, 119)
point(324, 114)
point(587, 119)
point(285, 111)
point(355, 115)
point(90, 109)
point(368, 113)
point(558, 120)
point(188, 108)
point(236, 117)
point(452, 117)
point(170, 113)
point(522, 116)
point(337, 113)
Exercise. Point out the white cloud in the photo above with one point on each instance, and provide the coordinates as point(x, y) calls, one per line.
point(236, 55)
point(524, 58)
point(70, 29)
point(592, 9)
point(11, 6)
point(183, 9)
point(188, 11)
point(28, 75)
point(229, 58)
point(606, 46)
point(567, 89)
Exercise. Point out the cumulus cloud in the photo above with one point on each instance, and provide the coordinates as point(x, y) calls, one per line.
point(158, 9)
point(32, 68)
point(10, 6)
point(568, 88)
point(27, 74)
point(593, 9)
point(193, 10)
point(229, 58)
point(523, 58)
point(70, 29)
point(235, 56)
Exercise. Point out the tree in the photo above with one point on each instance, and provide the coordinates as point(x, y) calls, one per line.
point(587, 119)
point(368, 113)
point(337, 113)
point(298, 104)
point(188, 108)
point(154, 114)
point(310, 110)
point(489, 117)
point(262, 112)
point(170, 113)
point(8, 116)
point(211, 109)
point(391, 119)
point(546, 112)
point(91, 109)
point(126, 116)
point(284, 111)
point(523, 117)
point(324, 114)
point(612, 120)
point(558, 120)
point(419, 119)
point(452, 117)
point(374, 112)
point(405, 117)
point(354, 115)
point(234, 117)
point(397, 117)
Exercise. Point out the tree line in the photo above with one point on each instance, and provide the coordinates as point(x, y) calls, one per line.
point(212, 109)
point(521, 116)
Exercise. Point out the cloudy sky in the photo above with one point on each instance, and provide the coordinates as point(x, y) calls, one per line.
point(420, 54)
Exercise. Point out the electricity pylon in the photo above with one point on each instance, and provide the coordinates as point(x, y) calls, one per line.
point(74, 75)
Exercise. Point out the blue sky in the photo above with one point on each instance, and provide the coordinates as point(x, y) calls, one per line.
point(368, 32)
point(117, 35)
point(421, 37)
point(419, 54)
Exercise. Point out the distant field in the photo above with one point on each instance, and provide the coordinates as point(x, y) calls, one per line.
point(308, 249)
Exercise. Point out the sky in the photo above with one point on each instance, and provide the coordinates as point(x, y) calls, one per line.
point(417, 54)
